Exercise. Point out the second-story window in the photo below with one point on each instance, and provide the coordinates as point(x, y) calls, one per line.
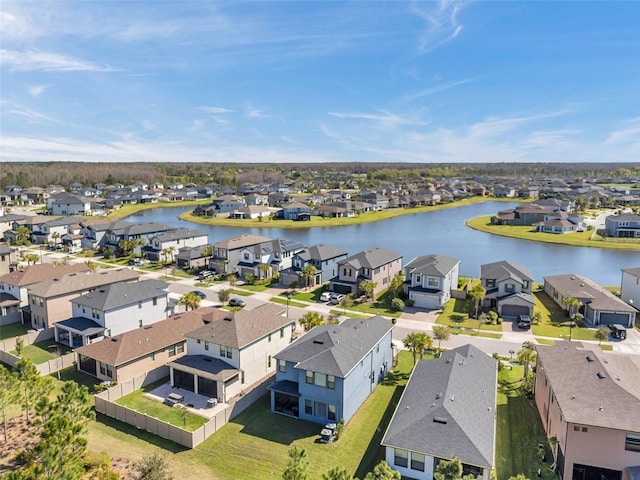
point(509, 288)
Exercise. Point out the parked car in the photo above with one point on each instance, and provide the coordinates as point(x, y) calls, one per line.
point(237, 302)
point(73, 249)
point(325, 296)
point(336, 298)
point(205, 274)
point(618, 331)
point(135, 262)
point(202, 295)
point(524, 322)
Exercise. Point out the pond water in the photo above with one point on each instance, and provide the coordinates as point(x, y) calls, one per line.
point(439, 232)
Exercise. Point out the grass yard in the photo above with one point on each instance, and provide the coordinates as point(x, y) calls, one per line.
point(257, 288)
point(292, 303)
point(545, 341)
point(381, 306)
point(255, 444)
point(12, 330)
point(554, 321)
point(40, 352)
point(348, 314)
point(242, 293)
point(456, 314)
point(519, 431)
point(311, 296)
point(175, 416)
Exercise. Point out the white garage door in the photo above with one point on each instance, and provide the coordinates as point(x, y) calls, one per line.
point(424, 300)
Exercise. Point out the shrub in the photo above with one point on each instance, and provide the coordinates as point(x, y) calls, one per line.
point(410, 303)
point(397, 305)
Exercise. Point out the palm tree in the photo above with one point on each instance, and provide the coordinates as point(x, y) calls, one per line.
point(572, 304)
point(307, 273)
point(165, 254)
point(396, 284)
point(417, 342)
point(190, 301)
point(310, 320)
point(441, 332)
point(171, 251)
point(22, 235)
point(477, 292)
point(367, 287)
point(602, 333)
point(55, 236)
point(526, 356)
point(264, 269)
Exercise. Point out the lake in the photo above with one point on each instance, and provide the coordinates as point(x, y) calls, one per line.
point(439, 232)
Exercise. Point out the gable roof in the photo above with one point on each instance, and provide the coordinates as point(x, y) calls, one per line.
point(336, 349)
point(449, 408)
point(75, 282)
point(139, 229)
point(572, 285)
point(122, 294)
point(325, 252)
point(241, 328)
point(179, 234)
point(40, 273)
point(143, 341)
point(586, 397)
point(244, 240)
point(505, 270)
point(372, 258)
point(434, 265)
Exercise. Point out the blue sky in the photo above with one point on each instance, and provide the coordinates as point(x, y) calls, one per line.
point(294, 82)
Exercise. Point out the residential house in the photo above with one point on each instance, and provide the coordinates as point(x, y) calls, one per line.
point(588, 402)
point(630, 286)
point(14, 299)
point(173, 240)
point(95, 235)
point(378, 265)
point(6, 224)
point(232, 351)
point(256, 199)
point(323, 257)
point(53, 230)
point(295, 211)
point(379, 201)
point(227, 253)
point(625, 225)
point(429, 280)
point(222, 206)
point(598, 306)
point(50, 300)
point(8, 259)
point(142, 233)
point(252, 211)
point(194, 257)
point(522, 215)
point(325, 375)
point(508, 288)
point(263, 259)
point(113, 309)
point(36, 195)
point(448, 408)
point(65, 203)
point(559, 223)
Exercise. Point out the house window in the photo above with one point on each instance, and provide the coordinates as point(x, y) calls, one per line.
point(320, 409)
point(525, 284)
point(309, 377)
point(346, 272)
point(320, 380)
point(206, 347)
point(106, 370)
point(139, 304)
point(576, 428)
point(491, 282)
point(417, 461)
point(332, 412)
point(140, 323)
point(155, 301)
point(584, 429)
point(282, 332)
point(180, 347)
point(400, 457)
point(432, 281)
point(246, 256)
point(632, 442)
point(331, 381)
point(269, 338)
point(153, 356)
point(308, 407)
point(95, 313)
point(198, 341)
point(226, 351)
point(509, 288)
point(269, 361)
point(418, 278)
point(172, 350)
point(282, 366)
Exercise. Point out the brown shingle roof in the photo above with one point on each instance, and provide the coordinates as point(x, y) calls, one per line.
point(572, 285)
point(40, 273)
point(75, 282)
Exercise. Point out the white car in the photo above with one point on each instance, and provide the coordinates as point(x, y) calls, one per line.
point(73, 249)
point(325, 296)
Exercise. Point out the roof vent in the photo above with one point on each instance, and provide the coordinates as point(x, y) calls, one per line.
point(589, 358)
point(582, 284)
point(601, 409)
point(228, 319)
point(441, 420)
point(147, 327)
point(452, 398)
point(438, 395)
point(114, 339)
point(601, 375)
point(318, 342)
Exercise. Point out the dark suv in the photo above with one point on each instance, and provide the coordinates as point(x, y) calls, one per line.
point(524, 322)
point(618, 331)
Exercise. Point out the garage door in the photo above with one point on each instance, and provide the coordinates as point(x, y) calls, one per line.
point(344, 289)
point(512, 311)
point(424, 300)
point(611, 318)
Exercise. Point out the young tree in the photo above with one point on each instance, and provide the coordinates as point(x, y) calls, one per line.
point(367, 287)
point(417, 342)
point(153, 466)
point(55, 236)
point(30, 384)
point(190, 301)
point(298, 465)
point(602, 333)
point(441, 333)
point(382, 471)
point(310, 320)
point(450, 470)
point(337, 473)
point(224, 294)
point(8, 394)
point(477, 293)
point(572, 304)
point(93, 266)
point(397, 282)
point(265, 268)
point(23, 234)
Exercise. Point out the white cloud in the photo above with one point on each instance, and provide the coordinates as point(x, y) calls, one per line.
point(253, 112)
point(37, 90)
point(630, 133)
point(215, 110)
point(440, 88)
point(383, 119)
point(38, 60)
point(441, 22)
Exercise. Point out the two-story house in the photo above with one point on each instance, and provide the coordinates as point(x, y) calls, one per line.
point(144, 350)
point(13, 288)
point(113, 309)
point(598, 305)
point(194, 257)
point(625, 225)
point(522, 215)
point(630, 286)
point(227, 253)
point(429, 280)
point(263, 259)
point(174, 239)
point(53, 230)
point(448, 408)
point(65, 203)
point(295, 211)
point(50, 300)
point(508, 288)
point(140, 232)
point(8, 259)
point(588, 401)
point(378, 264)
point(232, 351)
point(323, 257)
point(325, 375)
point(95, 235)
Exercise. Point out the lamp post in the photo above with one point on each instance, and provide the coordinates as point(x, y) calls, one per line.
point(571, 325)
point(288, 299)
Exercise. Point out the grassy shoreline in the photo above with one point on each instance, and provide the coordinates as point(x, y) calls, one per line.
point(577, 239)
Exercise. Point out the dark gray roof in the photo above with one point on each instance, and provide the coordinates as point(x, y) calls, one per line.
point(81, 324)
point(179, 234)
point(336, 349)
point(606, 400)
point(4, 250)
point(62, 221)
point(114, 226)
point(373, 258)
point(505, 270)
point(325, 252)
point(204, 366)
point(140, 229)
point(434, 265)
point(449, 408)
point(122, 294)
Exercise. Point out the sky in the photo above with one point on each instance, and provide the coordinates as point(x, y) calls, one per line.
point(320, 81)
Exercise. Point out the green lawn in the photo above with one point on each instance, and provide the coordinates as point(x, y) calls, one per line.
point(259, 288)
point(456, 314)
point(292, 303)
point(173, 415)
point(12, 330)
point(311, 296)
point(242, 293)
point(40, 352)
point(255, 444)
point(545, 341)
point(554, 321)
point(519, 431)
point(381, 306)
point(348, 314)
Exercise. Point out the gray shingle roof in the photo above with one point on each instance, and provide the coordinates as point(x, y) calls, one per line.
point(373, 258)
point(244, 240)
point(572, 285)
point(632, 271)
point(504, 270)
point(122, 294)
point(336, 349)
point(140, 229)
point(449, 408)
point(325, 252)
point(580, 392)
point(434, 265)
point(179, 234)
